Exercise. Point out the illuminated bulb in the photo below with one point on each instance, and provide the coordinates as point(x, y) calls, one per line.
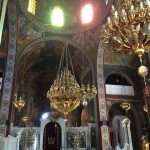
point(57, 17)
point(32, 7)
point(84, 103)
point(142, 71)
point(145, 108)
point(148, 2)
point(87, 13)
point(141, 4)
point(106, 1)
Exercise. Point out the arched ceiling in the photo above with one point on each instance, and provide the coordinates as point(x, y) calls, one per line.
point(39, 64)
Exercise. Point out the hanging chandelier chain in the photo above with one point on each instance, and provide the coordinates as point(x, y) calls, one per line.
point(66, 51)
point(61, 61)
point(70, 61)
point(82, 70)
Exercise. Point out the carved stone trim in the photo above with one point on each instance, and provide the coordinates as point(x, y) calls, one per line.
point(8, 80)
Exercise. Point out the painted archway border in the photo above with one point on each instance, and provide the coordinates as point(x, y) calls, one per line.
point(10, 65)
point(61, 39)
point(101, 100)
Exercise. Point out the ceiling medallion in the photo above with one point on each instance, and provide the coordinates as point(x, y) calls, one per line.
point(65, 93)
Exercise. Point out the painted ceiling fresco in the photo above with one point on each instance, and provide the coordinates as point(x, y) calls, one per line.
point(72, 14)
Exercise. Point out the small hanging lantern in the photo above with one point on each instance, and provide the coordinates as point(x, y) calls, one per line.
point(19, 104)
point(25, 119)
point(125, 106)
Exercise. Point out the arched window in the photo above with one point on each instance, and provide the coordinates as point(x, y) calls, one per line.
point(117, 84)
point(32, 7)
point(117, 79)
point(57, 16)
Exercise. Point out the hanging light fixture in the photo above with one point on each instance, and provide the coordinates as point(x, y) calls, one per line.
point(65, 93)
point(25, 119)
point(20, 103)
point(127, 30)
point(125, 106)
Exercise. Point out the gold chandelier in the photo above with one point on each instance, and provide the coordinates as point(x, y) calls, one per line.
point(65, 93)
point(127, 30)
point(19, 104)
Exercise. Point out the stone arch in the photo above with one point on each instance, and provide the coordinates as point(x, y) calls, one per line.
point(125, 76)
point(31, 48)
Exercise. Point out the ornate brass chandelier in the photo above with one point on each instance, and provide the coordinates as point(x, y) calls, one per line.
point(19, 104)
point(127, 30)
point(65, 93)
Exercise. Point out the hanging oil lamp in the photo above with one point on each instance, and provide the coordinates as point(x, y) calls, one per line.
point(25, 119)
point(125, 106)
point(19, 104)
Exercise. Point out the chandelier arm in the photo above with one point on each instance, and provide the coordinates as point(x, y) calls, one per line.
point(148, 35)
point(147, 41)
point(142, 36)
point(124, 37)
point(121, 43)
point(135, 33)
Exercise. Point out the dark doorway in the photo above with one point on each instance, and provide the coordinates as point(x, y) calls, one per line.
point(52, 136)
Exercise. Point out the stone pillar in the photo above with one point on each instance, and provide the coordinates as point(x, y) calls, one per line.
point(103, 127)
point(10, 65)
point(3, 5)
